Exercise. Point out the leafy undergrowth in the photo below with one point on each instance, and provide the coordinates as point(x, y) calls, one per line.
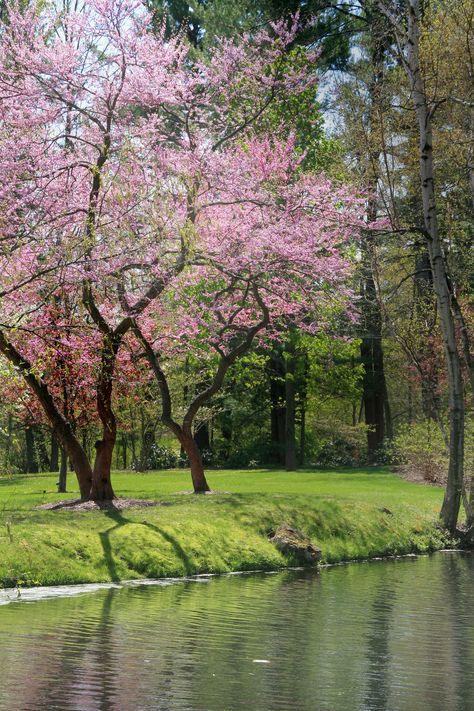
point(348, 514)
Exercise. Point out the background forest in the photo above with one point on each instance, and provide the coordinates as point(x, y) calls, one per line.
point(392, 116)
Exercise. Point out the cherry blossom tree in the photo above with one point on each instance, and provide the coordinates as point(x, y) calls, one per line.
point(270, 251)
point(136, 192)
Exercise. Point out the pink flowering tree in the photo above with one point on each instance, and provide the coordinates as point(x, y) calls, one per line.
point(135, 193)
point(269, 249)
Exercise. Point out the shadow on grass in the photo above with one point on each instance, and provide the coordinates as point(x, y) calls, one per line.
point(120, 520)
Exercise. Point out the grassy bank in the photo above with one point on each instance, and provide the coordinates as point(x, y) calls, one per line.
point(349, 514)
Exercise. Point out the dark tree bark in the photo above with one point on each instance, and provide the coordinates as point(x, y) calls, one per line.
point(276, 375)
point(31, 459)
point(374, 387)
point(63, 472)
point(290, 407)
point(101, 489)
point(193, 453)
point(54, 459)
point(41, 450)
point(371, 349)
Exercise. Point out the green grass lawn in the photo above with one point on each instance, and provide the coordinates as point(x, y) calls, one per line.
point(350, 514)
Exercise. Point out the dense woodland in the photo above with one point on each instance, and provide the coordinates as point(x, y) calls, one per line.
point(237, 234)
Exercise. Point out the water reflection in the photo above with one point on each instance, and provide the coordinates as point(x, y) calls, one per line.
point(386, 636)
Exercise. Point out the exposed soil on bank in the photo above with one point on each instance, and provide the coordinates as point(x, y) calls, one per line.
point(109, 505)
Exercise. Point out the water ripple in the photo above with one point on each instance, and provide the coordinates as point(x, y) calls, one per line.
point(387, 636)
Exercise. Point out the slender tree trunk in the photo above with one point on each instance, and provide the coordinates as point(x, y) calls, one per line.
point(31, 461)
point(124, 451)
point(63, 472)
point(373, 391)
point(387, 413)
point(371, 349)
point(276, 374)
point(302, 435)
point(290, 409)
point(454, 487)
point(374, 388)
point(41, 450)
point(9, 440)
point(54, 460)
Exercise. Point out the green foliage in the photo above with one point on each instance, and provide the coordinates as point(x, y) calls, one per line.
point(204, 20)
point(422, 446)
point(160, 457)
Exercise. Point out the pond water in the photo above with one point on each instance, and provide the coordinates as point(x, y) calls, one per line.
point(383, 636)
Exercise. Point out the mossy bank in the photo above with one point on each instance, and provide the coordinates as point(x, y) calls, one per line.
point(349, 514)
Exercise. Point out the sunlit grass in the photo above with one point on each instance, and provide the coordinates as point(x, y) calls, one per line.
point(349, 514)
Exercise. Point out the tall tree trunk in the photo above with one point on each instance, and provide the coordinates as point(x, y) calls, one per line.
point(276, 374)
point(371, 350)
point(301, 457)
point(124, 451)
point(425, 312)
point(411, 62)
point(373, 391)
point(374, 388)
point(63, 472)
point(41, 450)
point(54, 459)
point(290, 408)
point(31, 460)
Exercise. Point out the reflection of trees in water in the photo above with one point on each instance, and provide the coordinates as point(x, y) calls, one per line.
point(80, 675)
point(352, 638)
point(378, 649)
point(458, 573)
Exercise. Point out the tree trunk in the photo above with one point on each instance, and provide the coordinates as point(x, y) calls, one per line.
point(31, 461)
point(276, 374)
point(124, 451)
point(101, 489)
point(63, 472)
point(373, 391)
point(302, 435)
point(424, 312)
point(387, 414)
point(195, 462)
point(371, 350)
point(290, 408)
point(454, 487)
point(54, 460)
point(41, 449)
